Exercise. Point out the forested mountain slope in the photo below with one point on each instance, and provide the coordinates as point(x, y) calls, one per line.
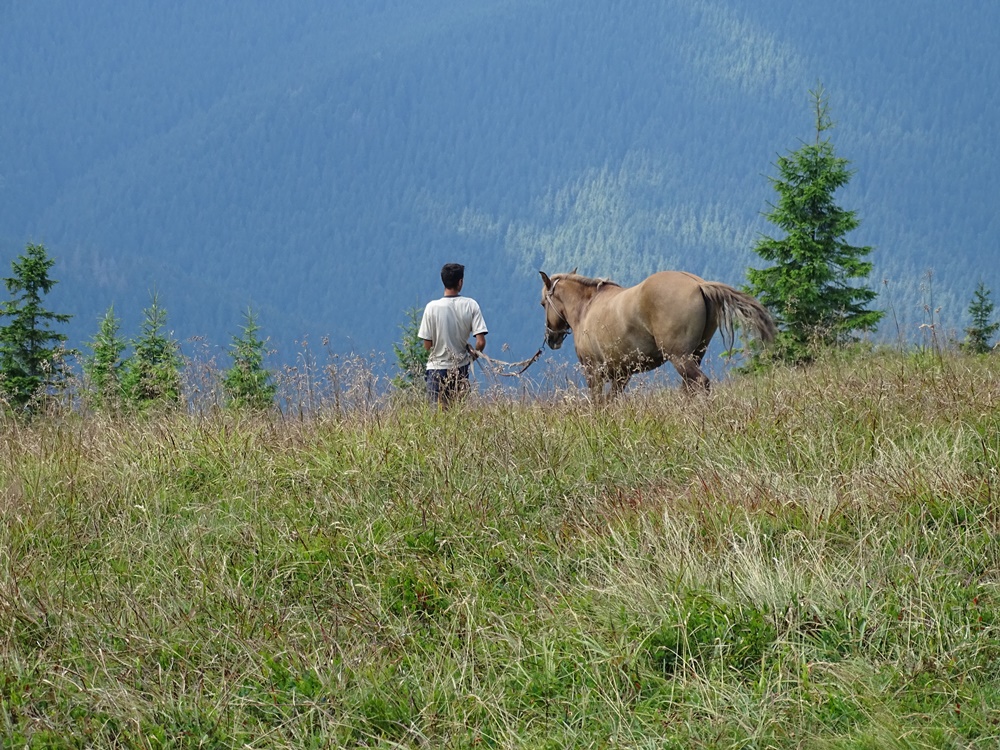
point(320, 161)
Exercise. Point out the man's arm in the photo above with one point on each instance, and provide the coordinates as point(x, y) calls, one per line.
point(428, 344)
point(480, 341)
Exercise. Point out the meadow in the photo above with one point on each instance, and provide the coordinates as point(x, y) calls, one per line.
point(805, 558)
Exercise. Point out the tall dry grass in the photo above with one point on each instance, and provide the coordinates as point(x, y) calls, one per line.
point(804, 558)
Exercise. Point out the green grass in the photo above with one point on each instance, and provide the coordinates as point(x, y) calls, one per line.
point(806, 558)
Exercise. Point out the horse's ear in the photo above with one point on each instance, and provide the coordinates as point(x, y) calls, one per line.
point(546, 280)
point(574, 270)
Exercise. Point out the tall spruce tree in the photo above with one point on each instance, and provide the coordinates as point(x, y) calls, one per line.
point(814, 287)
point(30, 349)
point(153, 373)
point(247, 384)
point(105, 366)
point(982, 328)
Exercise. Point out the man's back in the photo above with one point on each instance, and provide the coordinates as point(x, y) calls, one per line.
point(448, 322)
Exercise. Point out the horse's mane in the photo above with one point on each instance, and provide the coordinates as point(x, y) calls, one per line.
point(585, 280)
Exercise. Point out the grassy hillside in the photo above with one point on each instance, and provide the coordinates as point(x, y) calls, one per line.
point(808, 558)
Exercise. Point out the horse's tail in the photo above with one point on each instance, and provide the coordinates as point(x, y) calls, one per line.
point(733, 306)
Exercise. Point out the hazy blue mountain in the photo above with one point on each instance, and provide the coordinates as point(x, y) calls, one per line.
point(320, 160)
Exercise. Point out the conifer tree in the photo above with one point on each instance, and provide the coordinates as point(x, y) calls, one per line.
point(105, 367)
point(248, 384)
point(411, 356)
point(153, 373)
point(814, 287)
point(982, 328)
point(30, 350)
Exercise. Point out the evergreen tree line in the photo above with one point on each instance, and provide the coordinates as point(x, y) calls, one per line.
point(33, 355)
point(815, 287)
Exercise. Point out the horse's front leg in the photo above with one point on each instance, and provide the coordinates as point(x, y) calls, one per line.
point(618, 383)
point(599, 378)
point(595, 375)
point(595, 384)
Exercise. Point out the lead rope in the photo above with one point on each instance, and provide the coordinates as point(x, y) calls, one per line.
point(498, 366)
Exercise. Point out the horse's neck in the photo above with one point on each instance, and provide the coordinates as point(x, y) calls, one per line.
point(576, 308)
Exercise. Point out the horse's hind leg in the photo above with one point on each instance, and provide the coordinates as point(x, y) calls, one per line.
point(695, 381)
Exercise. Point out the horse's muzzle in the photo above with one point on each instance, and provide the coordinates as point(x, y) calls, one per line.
point(554, 339)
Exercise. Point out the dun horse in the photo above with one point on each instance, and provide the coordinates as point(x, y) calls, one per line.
point(669, 317)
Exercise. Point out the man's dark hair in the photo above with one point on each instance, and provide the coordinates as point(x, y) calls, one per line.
point(451, 274)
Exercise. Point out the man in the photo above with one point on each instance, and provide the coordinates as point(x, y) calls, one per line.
point(445, 328)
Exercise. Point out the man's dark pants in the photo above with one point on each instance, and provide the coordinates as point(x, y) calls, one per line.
point(444, 387)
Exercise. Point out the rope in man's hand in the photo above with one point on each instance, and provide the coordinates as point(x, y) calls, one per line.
point(498, 367)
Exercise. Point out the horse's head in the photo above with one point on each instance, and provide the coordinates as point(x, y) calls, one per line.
point(556, 325)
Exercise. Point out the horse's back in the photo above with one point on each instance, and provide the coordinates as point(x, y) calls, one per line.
point(673, 282)
point(663, 316)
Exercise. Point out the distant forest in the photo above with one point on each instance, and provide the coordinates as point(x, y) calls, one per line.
point(320, 161)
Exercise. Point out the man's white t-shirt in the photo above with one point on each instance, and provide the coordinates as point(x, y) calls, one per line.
point(449, 322)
